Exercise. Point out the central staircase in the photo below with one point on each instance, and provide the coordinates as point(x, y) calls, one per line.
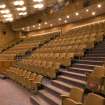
point(69, 77)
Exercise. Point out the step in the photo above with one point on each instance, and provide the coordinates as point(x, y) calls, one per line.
point(72, 81)
point(37, 100)
point(69, 73)
point(94, 58)
point(95, 55)
point(93, 62)
point(62, 85)
point(55, 90)
point(52, 99)
point(82, 65)
point(80, 70)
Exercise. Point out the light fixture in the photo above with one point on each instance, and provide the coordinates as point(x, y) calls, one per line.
point(87, 10)
point(99, 5)
point(21, 9)
point(51, 25)
point(2, 6)
point(28, 28)
point(33, 26)
point(39, 6)
point(7, 15)
point(76, 13)
point(65, 21)
point(38, 27)
point(18, 3)
point(93, 13)
point(5, 11)
point(45, 23)
point(39, 24)
point(38, 0)
point(22, 13)
point(67, 16)
point(23, 28)
point(8, 19)
point(59, 19)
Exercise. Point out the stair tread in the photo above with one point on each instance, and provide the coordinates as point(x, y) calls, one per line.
point(81, 69)
point(73, 79)
point(51, 96)
point(77, 74)
point(89, 60)
point(39, 100)
point(86, 64)
point(57, 89)
point(63, 83)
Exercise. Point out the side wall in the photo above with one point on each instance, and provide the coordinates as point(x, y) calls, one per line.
point(6, 35)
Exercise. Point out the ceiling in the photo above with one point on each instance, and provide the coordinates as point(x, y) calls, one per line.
point(89, 12)
point(11, 10)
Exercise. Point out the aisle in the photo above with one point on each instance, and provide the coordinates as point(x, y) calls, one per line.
point(13, 94)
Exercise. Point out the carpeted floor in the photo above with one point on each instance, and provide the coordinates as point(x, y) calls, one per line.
point(13, 94)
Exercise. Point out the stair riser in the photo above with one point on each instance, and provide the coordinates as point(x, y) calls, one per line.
point(61, 87)
point(83, 66)
point(34, 102)
point(47, 99)
point(96, 55)
point(70, 82)
point(97, 59)
point(79, 71)
point(74, 76)
point(89, 62)
point(53, 92)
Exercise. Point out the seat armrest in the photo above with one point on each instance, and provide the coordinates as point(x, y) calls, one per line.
point(64, 96)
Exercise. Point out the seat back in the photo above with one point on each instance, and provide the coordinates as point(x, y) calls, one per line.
point(93, 99)
point(69, 101)
point(76, 94)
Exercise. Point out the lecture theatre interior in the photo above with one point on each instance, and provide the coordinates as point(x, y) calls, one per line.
point(52, 52)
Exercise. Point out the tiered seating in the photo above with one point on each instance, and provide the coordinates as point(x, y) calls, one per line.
point(25, 78)
point(27, 45)
point(11, 44)
point(47, 59)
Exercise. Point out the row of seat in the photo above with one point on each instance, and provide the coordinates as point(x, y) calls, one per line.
point(25, 78)
point(27, 45)
point(62, 49)
point(48, 69)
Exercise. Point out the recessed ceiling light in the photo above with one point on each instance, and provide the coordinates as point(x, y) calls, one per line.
point(39, 24)
point(67, 16)
point(87, 10)
point(19, 2)
point(33, 26)
point(22, 13)
point(38, 27)
point(51, 25)
point(39, 6)
point(76, 13)
point(21, 9)
point(45, 23)
point(9, 19)
point(60, 19)
point(99, 5)
point(65, 21)
point(7, 15)
point(5, 11)
point(2, 6)
point(93, 13)
point(38, 0)
point(23, 28)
